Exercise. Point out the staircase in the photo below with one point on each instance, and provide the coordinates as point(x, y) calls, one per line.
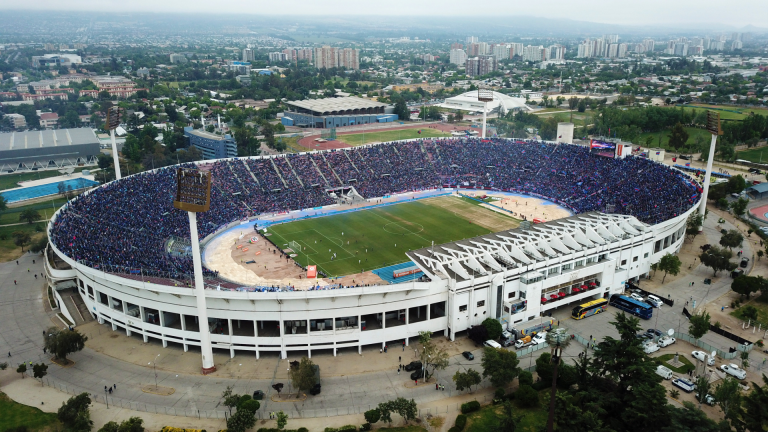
point(75, 306)
point(252, 175)
point(278, 173)
point(294, 172)
point(350, 161)
point(327, 183)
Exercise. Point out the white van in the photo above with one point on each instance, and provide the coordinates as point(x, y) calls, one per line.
point(492, 344)
point(654, 301)
point(664, 372)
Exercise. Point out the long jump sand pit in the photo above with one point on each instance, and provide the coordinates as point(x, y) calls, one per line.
point(523, 206)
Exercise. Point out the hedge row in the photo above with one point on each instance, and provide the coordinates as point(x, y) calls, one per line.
point(469, 407)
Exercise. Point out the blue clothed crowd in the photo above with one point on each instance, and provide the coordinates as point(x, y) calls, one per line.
point(123, 226)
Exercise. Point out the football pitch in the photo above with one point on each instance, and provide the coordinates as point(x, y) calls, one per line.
point(369, 239)
point(389, 135)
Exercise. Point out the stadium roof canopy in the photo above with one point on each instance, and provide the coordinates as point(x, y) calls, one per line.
point(468, 102)
point(47, 138)
point(342, 105)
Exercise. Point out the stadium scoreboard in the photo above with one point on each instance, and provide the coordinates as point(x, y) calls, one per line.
point(193, 190)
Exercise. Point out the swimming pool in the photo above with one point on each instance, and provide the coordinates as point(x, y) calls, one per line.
point(23, 194)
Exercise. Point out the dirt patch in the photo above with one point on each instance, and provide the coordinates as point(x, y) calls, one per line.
point(472, 213)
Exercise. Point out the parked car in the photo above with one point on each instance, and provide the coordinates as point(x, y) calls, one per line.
point(666, 341)
point(732, 369)
point(412, 366)
point(258, 395)
point(754, 171)
point(643, 336)
point(684, 384)
point(468, 355)
point(684, 157)
point(702, 356)
point(708, 399)
point(637, 297)
point(744, 262)
point(738, 272)
point(654, 301)
point(540, 338)
point(650, 347)
point(655, 332)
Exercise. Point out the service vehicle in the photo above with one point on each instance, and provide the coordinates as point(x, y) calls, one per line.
point(702, 356)
point(664, 372)
point(684, 384)
point(732, 369)
point(666, 341)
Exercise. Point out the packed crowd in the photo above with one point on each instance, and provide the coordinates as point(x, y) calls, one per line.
point(125, 224)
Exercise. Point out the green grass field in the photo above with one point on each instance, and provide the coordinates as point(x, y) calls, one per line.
point(10, 181)
point(14, 415)
point(392, 135)
point(489, 417)
point(703, 136)
point(727, 115)
point(370, 239)
point(759, 155)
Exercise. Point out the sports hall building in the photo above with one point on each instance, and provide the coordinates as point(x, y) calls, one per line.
point(48, 149)
point(336, 112)
point(513, 276)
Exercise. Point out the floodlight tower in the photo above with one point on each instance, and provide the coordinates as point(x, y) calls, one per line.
point(713, 127)
point(113, 121)
point(484, 96)
point(193, 194)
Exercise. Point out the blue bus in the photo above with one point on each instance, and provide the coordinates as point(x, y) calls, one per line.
point(628, 304)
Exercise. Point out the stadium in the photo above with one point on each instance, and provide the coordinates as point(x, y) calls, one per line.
point(331, 251)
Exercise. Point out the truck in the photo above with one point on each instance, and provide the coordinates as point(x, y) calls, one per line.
point(529, 328)
point(523, 342)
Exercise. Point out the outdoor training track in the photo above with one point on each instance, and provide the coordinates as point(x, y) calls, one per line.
point(309, 141)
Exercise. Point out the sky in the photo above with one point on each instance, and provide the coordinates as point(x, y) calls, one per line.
point(736, 13)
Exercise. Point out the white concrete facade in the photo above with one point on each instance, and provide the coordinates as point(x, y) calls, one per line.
point(487, 276)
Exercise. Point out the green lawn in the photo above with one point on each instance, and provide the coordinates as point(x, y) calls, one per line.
point(726, 111)
point(10, 181)
point(14, 415)
point(487, 419)
point(688, 366)
point(762, 311)
point(392, 135)
point(381, 237)
point(703, 136)
point(45, 209)
point(759, 155)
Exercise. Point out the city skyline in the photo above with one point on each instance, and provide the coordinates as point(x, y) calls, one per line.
point(654, 12)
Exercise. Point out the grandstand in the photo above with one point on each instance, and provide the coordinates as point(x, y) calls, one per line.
point(119, 260)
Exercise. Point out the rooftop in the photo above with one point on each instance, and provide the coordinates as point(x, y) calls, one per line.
point(336, 104)
point(48, 138)
point(208, 135)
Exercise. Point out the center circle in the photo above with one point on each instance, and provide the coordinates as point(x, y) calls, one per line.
point(396, 228)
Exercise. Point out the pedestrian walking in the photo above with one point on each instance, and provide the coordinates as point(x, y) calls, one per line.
point(9, 353)
point(436, 387)
point(115, 386)
point(17, 263)
point(403, 345)
point(399, 359)
point(44, 350)
point(14, 282)
point(398, 371)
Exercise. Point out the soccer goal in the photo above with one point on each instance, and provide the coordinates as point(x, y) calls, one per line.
point(295, 246)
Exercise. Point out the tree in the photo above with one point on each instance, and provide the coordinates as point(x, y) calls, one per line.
point(39, 245)
point(407, 409)
point(402, 110)
point(431, 355)
point(22, 369)
point(717, 259)
point(372, 416)
point(303, 375)
point(735, 184)
point(527, 397)
point(465, 380)
point(544, 367)
point(754, 416)
point(693, 224)
point(29, 215)
point(75, 414)
point(478, 334)
point(40, 370)
point(133, 424)
point(500, 365)
point(494, 328)
point(731, 239)
point(699, 325)
point(690, 419)
point(21, 239)
point(745, 285)
point(525, 377)
point(282, 420)
point(508, 421)
point(678, 136)
point(230, 399)
point(3, 204)
point(669, 264)
point(740, 206)
point(703, 387)
point(64, 342)
point(241, 420)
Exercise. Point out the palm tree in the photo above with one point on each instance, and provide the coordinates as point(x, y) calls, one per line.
point(558, 340)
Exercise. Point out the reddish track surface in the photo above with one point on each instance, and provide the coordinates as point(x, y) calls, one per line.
point(310, 143)
point(760, 212)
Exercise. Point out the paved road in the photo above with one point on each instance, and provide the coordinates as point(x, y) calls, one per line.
point(24, 320)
